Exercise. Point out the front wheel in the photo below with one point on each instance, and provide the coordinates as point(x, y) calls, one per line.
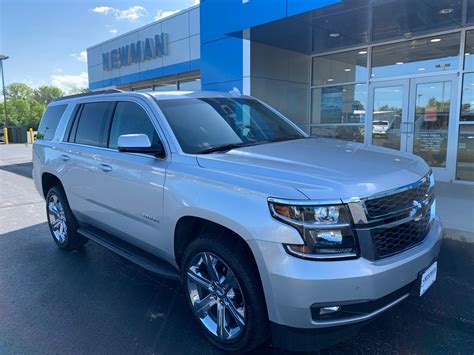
point(224, 293)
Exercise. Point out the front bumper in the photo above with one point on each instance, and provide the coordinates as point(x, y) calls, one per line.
point(293, 286)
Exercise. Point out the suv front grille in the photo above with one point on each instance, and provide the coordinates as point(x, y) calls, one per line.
point(396, 239)
point(394, 221)
point(387, 205)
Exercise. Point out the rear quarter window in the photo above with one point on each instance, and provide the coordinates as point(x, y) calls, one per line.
point(50, 121)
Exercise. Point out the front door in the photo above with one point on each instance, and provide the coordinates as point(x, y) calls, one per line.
point(415, 116)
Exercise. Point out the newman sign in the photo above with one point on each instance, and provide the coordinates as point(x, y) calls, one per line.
point(137, 52)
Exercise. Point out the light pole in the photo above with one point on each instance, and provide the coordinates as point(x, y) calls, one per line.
point(2, 58)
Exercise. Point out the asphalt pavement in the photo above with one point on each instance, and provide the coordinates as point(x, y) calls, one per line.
point(93, 301)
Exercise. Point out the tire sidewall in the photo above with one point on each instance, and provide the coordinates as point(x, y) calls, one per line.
point(206, 245)
point(71, 223)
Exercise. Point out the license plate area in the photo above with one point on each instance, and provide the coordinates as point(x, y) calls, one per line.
point(427, 278)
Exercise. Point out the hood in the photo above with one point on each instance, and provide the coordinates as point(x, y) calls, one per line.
point(321, 168)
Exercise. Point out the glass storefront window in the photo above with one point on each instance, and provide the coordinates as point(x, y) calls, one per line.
point(432, 122)
point(345, 24)
point(337, 68)
point(467, 104)
point(190, 85)
point(465, 163)
point(387, 116)
point(354, 133)
point(405, 18)
point(425, 55)
point(469, 51)
point(165, 87)
point(339, 111)
point(143, 89)
point(470, 11)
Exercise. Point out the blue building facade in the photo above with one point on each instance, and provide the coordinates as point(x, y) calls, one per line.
point(393, 73)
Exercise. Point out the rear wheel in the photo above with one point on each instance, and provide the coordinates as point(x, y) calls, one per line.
point(224, 294)
point(62, 223)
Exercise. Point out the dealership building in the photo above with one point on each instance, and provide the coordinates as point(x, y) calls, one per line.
point(393, 73)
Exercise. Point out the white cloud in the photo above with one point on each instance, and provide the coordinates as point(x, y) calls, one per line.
point(133, 13)
point(82, 56)
point(103, 9)
point(70, 82)
point(113, 31)
point(162, 14)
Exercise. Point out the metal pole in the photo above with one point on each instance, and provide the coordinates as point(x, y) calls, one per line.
point(4, 96)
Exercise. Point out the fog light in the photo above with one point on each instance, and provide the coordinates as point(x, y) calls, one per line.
point(324, 311)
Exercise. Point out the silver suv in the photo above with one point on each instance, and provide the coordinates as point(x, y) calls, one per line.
point(273, 234)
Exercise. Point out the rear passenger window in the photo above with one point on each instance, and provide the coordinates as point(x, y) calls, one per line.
point(93, 124)
point(130, 118)
point(50, 121)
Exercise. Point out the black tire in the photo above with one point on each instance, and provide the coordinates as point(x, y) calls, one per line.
point(256, 329)
point(73, 240)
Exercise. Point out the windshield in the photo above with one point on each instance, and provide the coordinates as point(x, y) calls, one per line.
point(381, 123)
point(203, 125)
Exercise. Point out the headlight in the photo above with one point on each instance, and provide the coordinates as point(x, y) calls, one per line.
point(326, 229)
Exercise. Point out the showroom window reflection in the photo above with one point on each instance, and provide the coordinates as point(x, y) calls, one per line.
point(465, 153)
point(339, 111)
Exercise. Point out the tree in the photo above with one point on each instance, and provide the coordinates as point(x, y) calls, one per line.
point(18, 111)
point(19, 91)
point(47, 93)
point(26, 106)
point(79, 91)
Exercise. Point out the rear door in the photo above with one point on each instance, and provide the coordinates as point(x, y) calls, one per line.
point(84, 148)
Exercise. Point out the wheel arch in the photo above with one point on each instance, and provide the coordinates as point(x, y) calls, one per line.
point(49, 180)
point(189, 228)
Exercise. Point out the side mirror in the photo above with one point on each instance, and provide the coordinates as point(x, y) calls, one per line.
point(138, 143)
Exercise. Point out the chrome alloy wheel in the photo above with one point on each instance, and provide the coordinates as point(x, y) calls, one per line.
point(216, 296)
point(57, 218)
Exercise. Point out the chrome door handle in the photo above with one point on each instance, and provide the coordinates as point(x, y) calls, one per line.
point(65, 157)
point(105, 167)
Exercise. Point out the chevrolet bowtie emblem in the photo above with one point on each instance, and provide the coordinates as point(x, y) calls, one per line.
point(416, 211)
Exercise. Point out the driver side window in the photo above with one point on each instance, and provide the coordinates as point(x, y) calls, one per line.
point(130, 118)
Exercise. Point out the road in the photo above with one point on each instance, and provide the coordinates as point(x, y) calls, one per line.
point(92, 301)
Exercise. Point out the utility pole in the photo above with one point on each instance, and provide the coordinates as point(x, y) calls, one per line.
point(2, 58)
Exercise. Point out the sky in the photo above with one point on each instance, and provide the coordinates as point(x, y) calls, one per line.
point(46, 40)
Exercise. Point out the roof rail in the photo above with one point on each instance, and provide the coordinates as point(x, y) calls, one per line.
point(108, 91)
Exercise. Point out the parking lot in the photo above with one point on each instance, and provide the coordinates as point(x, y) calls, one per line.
point(92, 301)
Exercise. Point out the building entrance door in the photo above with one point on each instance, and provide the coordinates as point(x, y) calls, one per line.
point(416, 116)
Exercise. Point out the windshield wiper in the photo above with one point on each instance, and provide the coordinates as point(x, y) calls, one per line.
point(223, 147)
point(283, 139)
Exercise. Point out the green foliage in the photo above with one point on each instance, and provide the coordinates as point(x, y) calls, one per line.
point(79, 91)
point(25, 105)
point(19, 91)
point(45, 94)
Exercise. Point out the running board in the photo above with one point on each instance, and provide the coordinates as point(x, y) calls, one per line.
point(130, 252)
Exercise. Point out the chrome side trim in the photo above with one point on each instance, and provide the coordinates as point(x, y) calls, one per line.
point(337, 322)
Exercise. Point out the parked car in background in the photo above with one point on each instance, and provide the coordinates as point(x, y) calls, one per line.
point(273, 234)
